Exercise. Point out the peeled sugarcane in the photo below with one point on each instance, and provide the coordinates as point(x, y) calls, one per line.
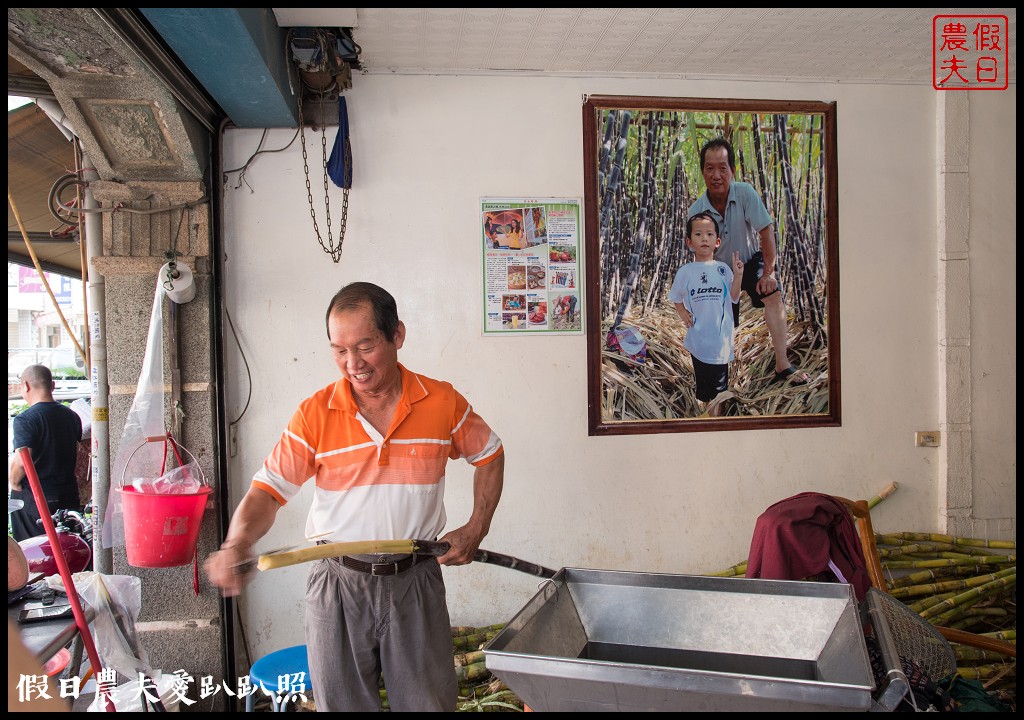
point(883, 494)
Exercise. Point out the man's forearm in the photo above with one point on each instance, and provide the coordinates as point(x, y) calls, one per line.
point(252, 520)
point(16, 476)
point(767, 242)
point(488, 481)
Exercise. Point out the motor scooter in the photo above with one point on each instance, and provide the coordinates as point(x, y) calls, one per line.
point(74, 533)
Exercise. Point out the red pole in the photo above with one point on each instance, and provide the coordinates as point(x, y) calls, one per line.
point(62, 564)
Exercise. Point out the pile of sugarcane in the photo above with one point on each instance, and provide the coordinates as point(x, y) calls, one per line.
point(961, 583)
point(964, 584)
point(662, 387)
point(479, 690)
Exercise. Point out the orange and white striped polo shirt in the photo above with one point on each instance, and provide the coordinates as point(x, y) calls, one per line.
point(373, 487)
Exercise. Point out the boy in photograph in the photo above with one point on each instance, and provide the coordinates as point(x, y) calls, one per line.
point(703, 293)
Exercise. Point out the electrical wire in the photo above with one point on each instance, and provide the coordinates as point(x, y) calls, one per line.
point(55, 205)
point(247, 371)
point(245, 166)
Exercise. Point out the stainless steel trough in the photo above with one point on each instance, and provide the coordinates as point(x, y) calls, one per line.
point(610, 640)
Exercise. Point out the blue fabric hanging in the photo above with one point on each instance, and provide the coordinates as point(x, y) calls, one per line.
point(339, 165)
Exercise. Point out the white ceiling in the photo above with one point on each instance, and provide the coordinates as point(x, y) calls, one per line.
point(892, 45)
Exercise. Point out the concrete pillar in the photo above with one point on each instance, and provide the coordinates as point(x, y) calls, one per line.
point(953, 207)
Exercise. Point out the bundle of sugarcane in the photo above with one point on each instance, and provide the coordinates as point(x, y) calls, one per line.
point(479, 690)
point(965, 584)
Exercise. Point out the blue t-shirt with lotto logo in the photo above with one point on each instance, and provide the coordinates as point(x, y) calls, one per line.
point(703, 289)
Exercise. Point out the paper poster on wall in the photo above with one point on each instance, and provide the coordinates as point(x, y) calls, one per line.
point(531, 266)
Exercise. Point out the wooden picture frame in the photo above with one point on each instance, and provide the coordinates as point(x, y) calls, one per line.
point(642, 172)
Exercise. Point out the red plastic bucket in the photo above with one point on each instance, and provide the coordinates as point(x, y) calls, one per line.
point(161, 530)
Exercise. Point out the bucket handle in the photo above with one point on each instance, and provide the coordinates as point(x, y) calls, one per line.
point(175, 446)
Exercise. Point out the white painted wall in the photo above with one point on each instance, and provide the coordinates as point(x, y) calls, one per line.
point(425, 150)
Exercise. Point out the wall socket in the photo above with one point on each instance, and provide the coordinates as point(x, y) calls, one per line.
point(928, 438)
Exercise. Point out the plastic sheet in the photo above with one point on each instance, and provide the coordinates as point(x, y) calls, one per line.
point(117, 600)
point(145, 420)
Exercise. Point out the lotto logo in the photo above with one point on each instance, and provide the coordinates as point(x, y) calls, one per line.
point(970, 52)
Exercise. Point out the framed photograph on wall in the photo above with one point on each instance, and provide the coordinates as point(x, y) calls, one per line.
point(668, 348)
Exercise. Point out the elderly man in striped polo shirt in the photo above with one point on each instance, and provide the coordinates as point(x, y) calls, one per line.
point(375, 443)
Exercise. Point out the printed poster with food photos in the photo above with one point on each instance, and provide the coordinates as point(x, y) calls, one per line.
point(532, 267)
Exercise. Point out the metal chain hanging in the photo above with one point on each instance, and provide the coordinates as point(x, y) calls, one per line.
point(329, 247)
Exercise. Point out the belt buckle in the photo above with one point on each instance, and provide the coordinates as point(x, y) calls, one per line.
point(383, 568)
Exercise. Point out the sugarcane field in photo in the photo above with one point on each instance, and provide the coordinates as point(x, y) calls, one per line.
point(649, 175)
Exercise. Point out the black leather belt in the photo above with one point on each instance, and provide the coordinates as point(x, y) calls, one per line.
point(384, 568)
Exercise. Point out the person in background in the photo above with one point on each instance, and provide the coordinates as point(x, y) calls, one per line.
point(52, 432)
point(375, 443)
point(747, 228)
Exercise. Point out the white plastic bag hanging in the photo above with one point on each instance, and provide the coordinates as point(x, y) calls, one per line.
point(145, 420)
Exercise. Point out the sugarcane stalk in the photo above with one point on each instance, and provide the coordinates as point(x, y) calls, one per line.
point(910, 549)
point(984, 672)
point(894, 538)
point(471, 673)
point(739, 568)
point(937, 588)
point(469, 658)
point(464, 630)
point(987, 560)
point(973, 654)
point(923, 576)
point(1003, 635)
point(967, 622)
point(906, 545)
point(955, 613)
point(466, 641)
point(975, 593)
point(883, 494)
point(989, 611)
point(928, 602)
point(329, 550)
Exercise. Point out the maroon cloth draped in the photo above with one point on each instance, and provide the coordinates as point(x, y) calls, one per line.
point(796, 537)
